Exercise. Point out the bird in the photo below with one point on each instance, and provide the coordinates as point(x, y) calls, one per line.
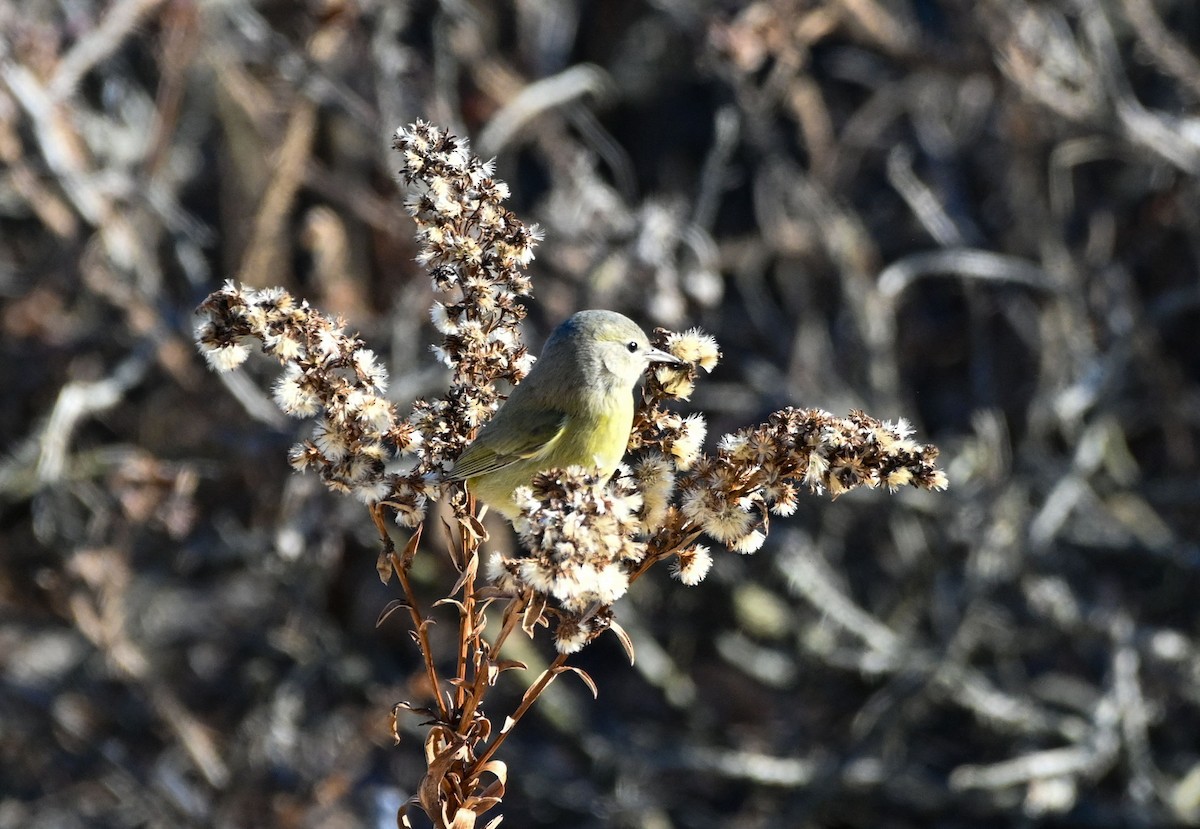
point(574, 408)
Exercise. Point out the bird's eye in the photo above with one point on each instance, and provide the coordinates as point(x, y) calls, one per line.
point(632, 346)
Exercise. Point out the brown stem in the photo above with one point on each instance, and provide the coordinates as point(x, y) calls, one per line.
point(527, 701)
point(414, 611)
point(468, 545)
point(467, 709)
point(423, 642)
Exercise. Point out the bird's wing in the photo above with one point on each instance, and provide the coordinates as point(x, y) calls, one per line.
point(497, 448)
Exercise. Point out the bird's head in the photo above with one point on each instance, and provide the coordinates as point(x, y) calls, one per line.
point(608, 350)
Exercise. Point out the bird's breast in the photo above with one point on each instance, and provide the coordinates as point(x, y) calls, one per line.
point(597, 435)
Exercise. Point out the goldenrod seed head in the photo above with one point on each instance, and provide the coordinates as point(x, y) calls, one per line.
point(329, 344)
point(749, 543)
point(226, 357)
point(376, 414)
point(442, 320)
point(292, 397)
point(570, 636)
point(898, 477)
point(330, 440)
point(690, 566)
point(284, 346)
point(694, 346)
point(676, 382)
point(371, 491)
point(686, 446)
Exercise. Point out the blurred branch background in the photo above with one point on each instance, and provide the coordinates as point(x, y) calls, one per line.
point(983, 216)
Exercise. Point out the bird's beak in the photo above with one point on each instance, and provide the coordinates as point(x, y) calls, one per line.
point(656, 355)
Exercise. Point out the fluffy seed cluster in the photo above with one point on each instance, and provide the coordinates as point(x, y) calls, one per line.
point(756, 472)
point(585, 541)
point(476, 252)
point(759, 471)
point(697, 349)
point(691, 565)
point(654, 477)
point(581, 545)
point(326, 372)
point(676, 437)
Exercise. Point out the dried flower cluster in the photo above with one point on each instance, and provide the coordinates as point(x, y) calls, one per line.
point(585, 540)
point(478, 251)
point(326, 373)
point(583, 546)
point(758, 471)
point(755, 472)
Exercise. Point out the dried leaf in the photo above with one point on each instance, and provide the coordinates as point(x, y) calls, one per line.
point(468, 573)
point(390, 608)
point(533, 616)
point(452, 546)
point(408, 706)
point(499, 769)
point(383, 566)
point(481, 728)
point(462, 608)
point(623, 637)
point(475, 527)
point(402, 816)
point(431, 716)
point(482, 804)
point(403, 560)
point(439, 764)
point(395, 726)
point(582, 674)
point(481, 624)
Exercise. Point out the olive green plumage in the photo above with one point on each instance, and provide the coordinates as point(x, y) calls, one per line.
point(574, 409)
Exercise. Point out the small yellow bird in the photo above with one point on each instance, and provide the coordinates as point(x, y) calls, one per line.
point(574, 409)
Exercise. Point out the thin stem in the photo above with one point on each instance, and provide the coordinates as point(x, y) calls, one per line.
point(468, 545)
point(423, 643)
point(410, 599)
point(466, 711)
point(527, 701)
